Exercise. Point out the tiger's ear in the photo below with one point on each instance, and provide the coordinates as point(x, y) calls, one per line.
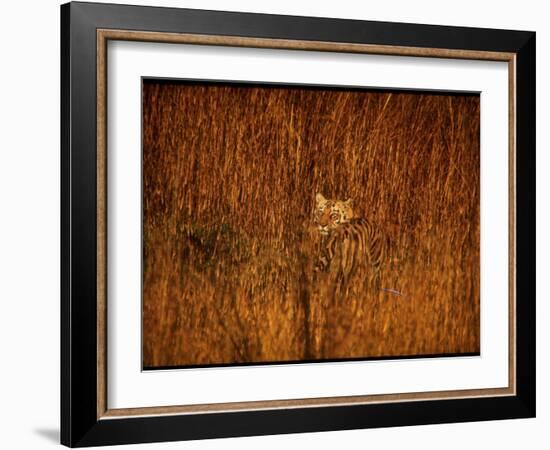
point(319, 199)
point(349, 203)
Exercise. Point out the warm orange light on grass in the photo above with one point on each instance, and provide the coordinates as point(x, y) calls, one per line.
point(229, 179)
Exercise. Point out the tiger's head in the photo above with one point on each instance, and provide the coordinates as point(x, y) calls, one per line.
point(330, 214)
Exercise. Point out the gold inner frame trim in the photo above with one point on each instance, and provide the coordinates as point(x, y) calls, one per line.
point(103, 36)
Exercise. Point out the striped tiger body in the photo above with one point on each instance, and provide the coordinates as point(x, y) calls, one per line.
point(351, 245)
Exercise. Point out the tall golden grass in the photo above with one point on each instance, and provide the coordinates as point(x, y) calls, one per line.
point(230, 173)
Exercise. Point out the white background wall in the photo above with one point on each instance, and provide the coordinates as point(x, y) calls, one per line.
point(29, 225)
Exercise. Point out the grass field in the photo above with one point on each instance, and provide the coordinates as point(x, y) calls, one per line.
point(230, 173)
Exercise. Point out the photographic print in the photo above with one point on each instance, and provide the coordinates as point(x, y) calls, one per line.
point(292, 223)
point(310, 211)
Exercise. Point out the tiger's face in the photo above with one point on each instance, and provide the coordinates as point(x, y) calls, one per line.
point(330, 214)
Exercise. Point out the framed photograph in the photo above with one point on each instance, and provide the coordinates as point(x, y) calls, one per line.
point(277, 224)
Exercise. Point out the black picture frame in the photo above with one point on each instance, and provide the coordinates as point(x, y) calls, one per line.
point(80, 425)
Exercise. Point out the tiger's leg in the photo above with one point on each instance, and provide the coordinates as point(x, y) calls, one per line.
point(350, 261)
point(377, 284)
point(336, 274)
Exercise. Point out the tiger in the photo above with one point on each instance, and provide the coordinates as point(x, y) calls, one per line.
point(350, 242)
